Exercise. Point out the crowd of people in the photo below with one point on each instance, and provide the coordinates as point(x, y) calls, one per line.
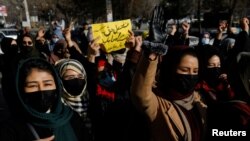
point(64, 87)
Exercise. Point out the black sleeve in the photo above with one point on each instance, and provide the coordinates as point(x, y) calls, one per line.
point(217, 43)
point(176, 39)
point(79, 127)
point(242, 42)
point(12, 130)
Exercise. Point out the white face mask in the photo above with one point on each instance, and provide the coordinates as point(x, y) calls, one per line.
point(120, 58)
point(205, 41)
point(54, 40)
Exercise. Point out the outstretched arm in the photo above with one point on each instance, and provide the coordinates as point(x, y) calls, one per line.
point(141, 89)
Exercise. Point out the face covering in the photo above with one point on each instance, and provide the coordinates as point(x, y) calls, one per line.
point(41, 101)
point(13, 49)
point(27, 49)
point(212, 76)
point(205, 41)
point(184, 83)
point(54, 40)
point(74, 86)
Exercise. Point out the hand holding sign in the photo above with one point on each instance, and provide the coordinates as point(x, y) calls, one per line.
point(113, 35)
point(130, 42)
point(138, 42)
point(94, 47)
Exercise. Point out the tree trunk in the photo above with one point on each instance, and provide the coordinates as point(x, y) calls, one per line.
point(230, 18)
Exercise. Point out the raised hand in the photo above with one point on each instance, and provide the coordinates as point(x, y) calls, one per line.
point(157, 25)
point(185, 26)
point(222, 26)
point(245, 24)
point(93, 49)
point(173, 29)
point(40, 33)
point(67, 35)
point(130, 43)
point(138, 43)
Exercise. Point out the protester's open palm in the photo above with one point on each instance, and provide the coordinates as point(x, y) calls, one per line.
point(157, 25)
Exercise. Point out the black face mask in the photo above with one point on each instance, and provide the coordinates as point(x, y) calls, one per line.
point(74, 86)
point(13, 49)
point(27, 49)
point(212, 76)
point(184, 83)
point(41, 101)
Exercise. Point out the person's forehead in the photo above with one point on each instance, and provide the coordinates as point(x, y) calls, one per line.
point(206, 34)
point(27, 38)
point(188, 58)
point(37, 74)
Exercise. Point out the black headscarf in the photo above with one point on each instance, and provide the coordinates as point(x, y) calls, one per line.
point(239, 76)
point(8, 49)
point(204, 54)
point(169, 65)
point(33, 52)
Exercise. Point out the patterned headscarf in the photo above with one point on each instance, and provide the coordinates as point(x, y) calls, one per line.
point(78, 103)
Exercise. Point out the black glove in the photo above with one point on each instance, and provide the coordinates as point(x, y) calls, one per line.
point(157, 26)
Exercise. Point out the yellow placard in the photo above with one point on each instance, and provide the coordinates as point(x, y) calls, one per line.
point(112, 34)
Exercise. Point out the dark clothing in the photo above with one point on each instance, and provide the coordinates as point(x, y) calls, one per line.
point(90, 69)
point(234, 114)
point(58, 120)
point(4, 110)
point(17, 130)
point(242, 42)
point(9, 68)
point(176, 39)
point(231, 115)
point(81, 39)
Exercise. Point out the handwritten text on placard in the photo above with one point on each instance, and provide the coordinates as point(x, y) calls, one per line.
point(112, 34)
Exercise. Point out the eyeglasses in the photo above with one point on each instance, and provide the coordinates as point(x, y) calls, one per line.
point(27, 43)
point(69, 77)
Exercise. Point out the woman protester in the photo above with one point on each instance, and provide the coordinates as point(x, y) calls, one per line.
point(234, 114)
point(28, 49)
point(8, 68)
point(213, 86)
point(174, 110)
point(76, 96)
point(41, 114)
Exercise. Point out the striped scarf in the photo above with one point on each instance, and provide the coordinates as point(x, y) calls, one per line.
point(80, 102)
point(77, 103)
